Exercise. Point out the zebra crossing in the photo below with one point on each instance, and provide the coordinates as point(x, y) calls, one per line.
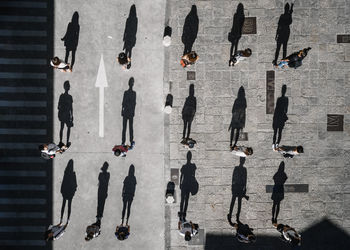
point(26, 28)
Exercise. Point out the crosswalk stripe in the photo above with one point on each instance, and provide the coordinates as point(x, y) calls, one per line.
point(22, 229)
point(22, 201)
point(23, 104)
point(32, 215)
point(21, 75)
point(23, 89)
point(42, 118)
point(25, 61)
point(33, 19)
point(19, 173)
point(22, 131)
point(22, 187)
point(22, 4)
point(19, 47)
point(22, 242)
point(42, 33)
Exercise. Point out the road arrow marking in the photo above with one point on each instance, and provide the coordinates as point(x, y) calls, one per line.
point(101, 83)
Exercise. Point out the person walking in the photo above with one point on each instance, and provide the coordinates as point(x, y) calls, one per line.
point(93, 231)
point(294, 60)
point(288, 234)
point(239, 56)
point(122, 232)
point(238, 116)
point(290, 151)
point(49, 150)
point(242, 151)
point(187, 229)
point(283, 31)
point(189, 59)
point(236, 31)
point(128, 111)
point(124, 60)
point(244, 233)
point(279, 117)
point(57, 63)
point(188, 113)
point(54, 232)
point(279, 178)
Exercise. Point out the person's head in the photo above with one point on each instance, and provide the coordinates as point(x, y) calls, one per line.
point(247, 52)
point(131, 170)
point(105, 166)
point(305, 51)
point(42, 147)
point(286, 8)
point(192, 56)
point(131, 82)
point(191, 89)
point(194, 10)
point(284, 89)
point(240, 9)
point(89, 236)
point(48, 236)
point(122, 58)
point(120, 235)
point(75, 17)
point(300, 149)
point(69, 168)
point(66, 86)
point(249, 151)
point(251, 238)
point(281, 167)
point(132, 12)
point(117, 152)
point(241, 92)
point(188, 236)
point(189, 156)
point(55, 61)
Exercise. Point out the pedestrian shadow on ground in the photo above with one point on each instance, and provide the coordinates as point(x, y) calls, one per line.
point(236, 30)
point(102, 194)
point(279, 178)
point(188, 112)
point(68, 188)
point(238, 115)
point(128, 111)
point(71, 38)
point(65, 112)
point(130, 31)
point(239, 188)
point(190, 30)
point(283, 31)
point(280, 115)
point(128, 192)
point(188, 184)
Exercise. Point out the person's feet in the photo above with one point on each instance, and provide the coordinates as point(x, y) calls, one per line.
point(274, 63)
point(60, 145)
point(229, 217)
point(68, 144)
point(183, 141)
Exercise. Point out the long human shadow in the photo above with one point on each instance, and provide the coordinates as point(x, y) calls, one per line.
point(130, 31)
point(65, 112)
point(71, 38)
point(188, 112)
point(283, 31)
point(68, 188)
point(128, 111)
point(238, 115)
point(239, 188)
point(188, 184)
point(279, 178)
point(190, 30)
point(236, 30)
point(128, 192)
point(280, 116)
point(102, 194)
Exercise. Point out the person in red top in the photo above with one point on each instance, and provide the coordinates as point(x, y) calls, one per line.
point(122, 149)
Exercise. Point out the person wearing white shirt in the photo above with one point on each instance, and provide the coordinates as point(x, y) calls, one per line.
point(59, 64)
point(290, 151)
point(242, 151)
point(187, 229)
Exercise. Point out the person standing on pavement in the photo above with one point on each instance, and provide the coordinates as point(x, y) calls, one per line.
point(71, 38)
point(239, 56)
point(294, 60)
point(290, 151)
point(242, 151)
point(122, 232)
point(283, 31)
point(93, 231)
point(236, 31)
point(288, 234)
point(187, 229)
point(49, 150)
point(244, 233)
point(188, 113)
point(279, 117)
point(128, 111)
point(54, 232)
point(65, 112)
point(57, 63)
point(238, 116)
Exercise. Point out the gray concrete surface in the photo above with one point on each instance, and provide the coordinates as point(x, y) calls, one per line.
point(320, 87)
point(98, 20)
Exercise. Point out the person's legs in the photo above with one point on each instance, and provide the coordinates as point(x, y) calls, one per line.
point(277, 51)
point(274, 135)
point(285, 49)
point(236, 45)
point(239, 208)
point(237, 135)
point(231, 136)
point(66, 57)
point(187, 196)
point(68, 135)
point(100, 207)
point(73, 59)
point(279, 135)
point(273, 211)
point(62, 209)
point(61, 132)
point(183, 195)
point(233, 199)
point(128, 213)
point(277, 210)
point(69, 208)
point(131, 129)
point(189, 129)
point(124, 130)
point(184, 130)
point(124, 209)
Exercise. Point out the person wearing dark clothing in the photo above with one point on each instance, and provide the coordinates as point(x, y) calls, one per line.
point(283, 31)
point(294, 60)
point(128, 193)
point(130, 31)
point(239, 188)
point(190, 30)
point(71, 38)
point(279, 178)
point(188, 112)
point(68, 188)
point(288, 234)
point(65, 112)
point(238, 116)
point(93, 231)
point(236, 30)
point(122, 232)
point(244, 233)
point(128, 111)
point(279, 117)
point(188, 184)
point(102, 193)
point(290, 151)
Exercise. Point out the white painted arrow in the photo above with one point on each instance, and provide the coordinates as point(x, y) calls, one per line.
point(101, 82)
